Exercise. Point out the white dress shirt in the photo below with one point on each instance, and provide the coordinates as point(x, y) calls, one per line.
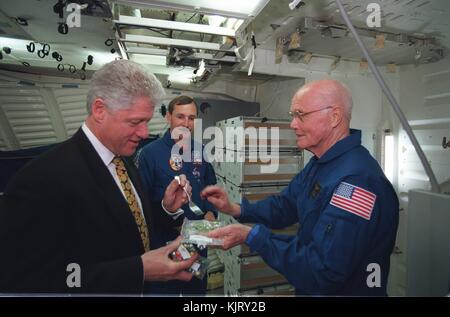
point(107, 156)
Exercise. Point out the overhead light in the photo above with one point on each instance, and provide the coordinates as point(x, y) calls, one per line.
point(296, 4)
point(179, 80)
point(242, 9)
point(149, 59)
point(201, 68)
point(233, 23)
point(154, 40)
point(213, 28)
point(215, 20)
point(14, 44)
point(147, 51)
point(388, 158)
point(418, 54)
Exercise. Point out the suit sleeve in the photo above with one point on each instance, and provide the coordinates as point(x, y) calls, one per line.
point(31, 257)
point(339, 242)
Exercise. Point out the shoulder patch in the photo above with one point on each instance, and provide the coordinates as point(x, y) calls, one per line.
point(354, 199)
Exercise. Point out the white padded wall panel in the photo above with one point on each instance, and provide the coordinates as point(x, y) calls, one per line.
point(423, 92)
point(158, 124)
point(27, 114)
point(52, 109)
point(428, 258)
point(2, 144)
point(72, 104)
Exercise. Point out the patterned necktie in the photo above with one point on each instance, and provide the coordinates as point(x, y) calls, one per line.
point(125, 182)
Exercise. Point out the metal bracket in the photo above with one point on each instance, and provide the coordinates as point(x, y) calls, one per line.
point(445, 144)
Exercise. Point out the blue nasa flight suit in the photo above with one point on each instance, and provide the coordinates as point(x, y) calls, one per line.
point(157, 173)
point(334, 247)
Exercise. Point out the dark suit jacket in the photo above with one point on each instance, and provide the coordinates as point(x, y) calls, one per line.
point(64, 207)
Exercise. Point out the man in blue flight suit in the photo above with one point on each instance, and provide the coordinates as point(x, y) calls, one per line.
point(159, 164)
point(346, 209)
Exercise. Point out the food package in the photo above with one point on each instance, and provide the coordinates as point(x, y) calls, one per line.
point(196, 231)
point(184, 252)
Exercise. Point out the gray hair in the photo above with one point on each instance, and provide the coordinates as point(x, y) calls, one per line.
point(120, 82)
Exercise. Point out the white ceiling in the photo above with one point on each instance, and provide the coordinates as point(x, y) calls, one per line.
point(414, 18)
point(74, 47)
point(90, 37)
point(228, 8)
point(421, 17)
point(268, 19)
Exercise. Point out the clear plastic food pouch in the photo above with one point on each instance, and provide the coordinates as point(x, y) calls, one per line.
point(196, 231)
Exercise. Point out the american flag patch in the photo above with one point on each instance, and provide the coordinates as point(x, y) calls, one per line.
point(354, 199)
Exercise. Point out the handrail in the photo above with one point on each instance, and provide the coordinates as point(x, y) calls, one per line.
point(434, 184)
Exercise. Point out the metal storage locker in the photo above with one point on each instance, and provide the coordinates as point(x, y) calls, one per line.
point(279, 170)
point(286, 139)
point(271, 290)
point(246, 273)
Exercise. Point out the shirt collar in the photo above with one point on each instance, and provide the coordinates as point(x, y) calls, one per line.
point(105, 154)
point(342, 146)
point(167, 138)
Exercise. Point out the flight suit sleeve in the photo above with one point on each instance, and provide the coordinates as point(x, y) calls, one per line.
point(210, 179)
point(278, 211)
point(339, 242)
point(146, 170)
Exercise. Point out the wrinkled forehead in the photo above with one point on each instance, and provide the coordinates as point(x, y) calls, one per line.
point(186, 109)
point(138, 105)
point(306, 99)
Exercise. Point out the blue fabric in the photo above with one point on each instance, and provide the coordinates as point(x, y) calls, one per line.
point(252, 234)
point(333, 248)
point(157, 173)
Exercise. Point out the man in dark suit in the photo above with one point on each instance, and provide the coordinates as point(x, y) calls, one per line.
point(77, 219)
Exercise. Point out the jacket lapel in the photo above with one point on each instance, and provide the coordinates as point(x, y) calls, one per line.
point(108, 190)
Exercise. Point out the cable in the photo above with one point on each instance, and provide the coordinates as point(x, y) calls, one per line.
point(392, 100)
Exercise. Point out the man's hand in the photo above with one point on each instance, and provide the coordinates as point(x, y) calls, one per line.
point(232, 235)
point(218, 198)
point(174, 196)
point(159, 267)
